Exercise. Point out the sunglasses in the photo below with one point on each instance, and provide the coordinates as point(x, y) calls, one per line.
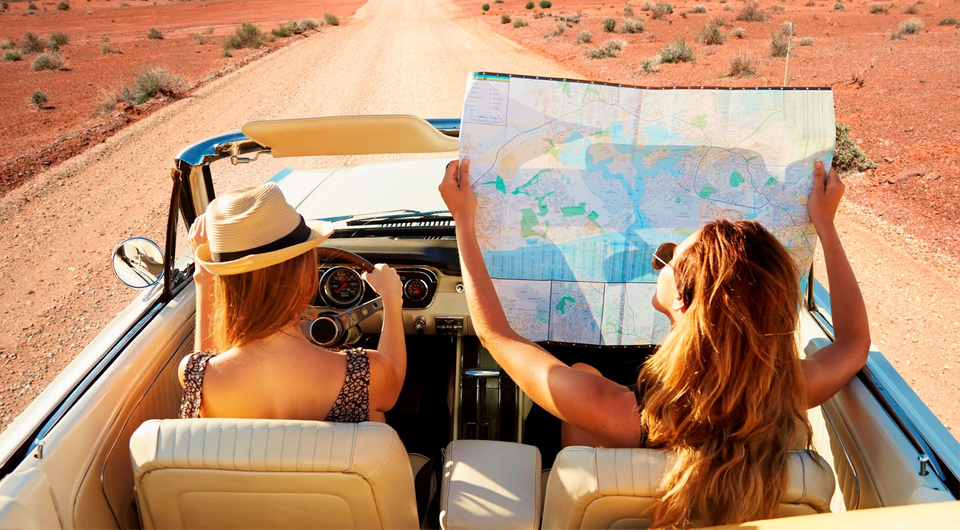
point(663, 255)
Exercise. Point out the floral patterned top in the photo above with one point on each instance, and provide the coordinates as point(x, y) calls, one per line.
point(351, 406)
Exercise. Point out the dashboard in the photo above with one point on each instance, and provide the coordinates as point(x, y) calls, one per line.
point(342, 286)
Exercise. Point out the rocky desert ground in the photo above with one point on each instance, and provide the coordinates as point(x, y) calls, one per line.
point(68, 161)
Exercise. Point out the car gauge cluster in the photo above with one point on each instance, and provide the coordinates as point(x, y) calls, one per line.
point(342, 287)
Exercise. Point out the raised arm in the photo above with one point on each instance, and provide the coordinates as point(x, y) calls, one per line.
point(203, 279)
point(389, 361)
point(831, 367)
point(588, 401)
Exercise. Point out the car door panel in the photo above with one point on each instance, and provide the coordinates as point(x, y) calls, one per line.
point(27, 502)
point(876, 464)
point(87, 439)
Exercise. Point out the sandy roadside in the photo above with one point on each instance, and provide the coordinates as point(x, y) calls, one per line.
point(56, 232)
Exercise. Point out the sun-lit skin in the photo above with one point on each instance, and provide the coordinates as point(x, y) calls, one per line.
point(667, 300)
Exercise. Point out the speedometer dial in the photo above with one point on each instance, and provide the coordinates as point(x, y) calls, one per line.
point(341, 287)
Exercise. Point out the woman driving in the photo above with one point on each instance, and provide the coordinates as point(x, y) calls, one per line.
point(256, 274)
point(727, 390)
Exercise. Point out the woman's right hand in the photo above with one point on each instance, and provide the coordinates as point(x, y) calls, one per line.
point(386, 282)
point(457, 193)
point(825, 197)
point(196, 237)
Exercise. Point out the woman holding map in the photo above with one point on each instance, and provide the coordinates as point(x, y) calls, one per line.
point(727, 390)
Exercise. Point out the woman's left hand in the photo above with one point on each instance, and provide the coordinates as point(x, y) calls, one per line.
point(457, 193)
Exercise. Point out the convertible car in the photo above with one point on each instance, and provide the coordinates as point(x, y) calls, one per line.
point(102, 446)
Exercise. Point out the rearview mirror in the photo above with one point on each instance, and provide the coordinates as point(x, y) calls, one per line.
point(138, 262)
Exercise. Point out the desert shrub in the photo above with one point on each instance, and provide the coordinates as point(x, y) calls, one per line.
point(520, 23)
point(505, 18)
point(949, 22)
point(154, 34)
point(614, 47)
point(557, 32)
point(530, 5)
point(537, 15)
point(711, 35)
point(89, 11)
point(39, 98)
point(846, 155)
point(31, 7)
point(246, 35)
point(48, 61)
point(58, 39)
point(652, 64)
point(738, 32)
point(611, 48)
point(878, 9)
point(595, 53)
point(647, 6)
point(727, 8)
point(628, 10)
point(497, 1)
point(912, 9)
point(31, 44)
point(11, 56)
point(609, 25)
point(546, 4)
point(810, 3)
point(779, 45)
point(106, 49)
point(661, 10)
point(838, 6)
point(584, 37)
point(699, 10)
point(7, 44)
point(788, 28)
point(752, 12)
point(330, 19)
point(778, 9)
point(284, 31)
point(911, 26)
point(63, 6)
point(631, 26)
point(147, 85)
point(572, 19)
point(208, 30)
point(677, 51)
point(197, 38)
point(485, 7)
point(742, 65)
point(806, 41)
point(307, 24)
point(5, 5)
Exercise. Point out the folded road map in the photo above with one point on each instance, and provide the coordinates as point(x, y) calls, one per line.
point(579, 182)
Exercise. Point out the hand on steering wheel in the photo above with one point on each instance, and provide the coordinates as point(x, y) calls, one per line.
point(328, 328)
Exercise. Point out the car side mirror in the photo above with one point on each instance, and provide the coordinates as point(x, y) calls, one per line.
point(138, 262)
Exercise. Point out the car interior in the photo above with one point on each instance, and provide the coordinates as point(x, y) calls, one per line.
point(111, 453)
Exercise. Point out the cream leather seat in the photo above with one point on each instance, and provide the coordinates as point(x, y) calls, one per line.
point(229, 473)
point(616, 488)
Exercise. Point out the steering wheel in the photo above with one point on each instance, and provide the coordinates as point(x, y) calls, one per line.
point(329, 328)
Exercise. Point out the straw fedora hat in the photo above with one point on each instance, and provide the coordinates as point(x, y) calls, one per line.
point(254, 228)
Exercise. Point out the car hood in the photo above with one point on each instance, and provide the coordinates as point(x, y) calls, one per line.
point(335, 194)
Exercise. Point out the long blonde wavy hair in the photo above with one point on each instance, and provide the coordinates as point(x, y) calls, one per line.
point(725, 391)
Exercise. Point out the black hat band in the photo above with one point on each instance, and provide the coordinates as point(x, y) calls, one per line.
point(299, 234)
